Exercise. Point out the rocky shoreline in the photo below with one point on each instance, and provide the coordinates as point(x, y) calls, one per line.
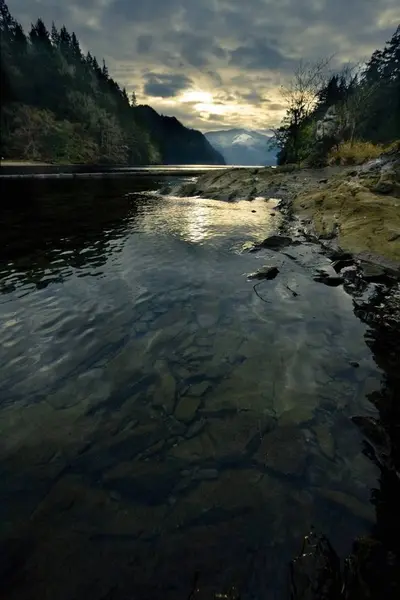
point(354, 215)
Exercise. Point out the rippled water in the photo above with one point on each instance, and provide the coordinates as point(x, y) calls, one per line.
point(163, 428)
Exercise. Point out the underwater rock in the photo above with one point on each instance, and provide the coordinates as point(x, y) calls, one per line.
point(187, 408)
point(350, 503)
point(264, 272)
point(284, 449)
point(325, 439)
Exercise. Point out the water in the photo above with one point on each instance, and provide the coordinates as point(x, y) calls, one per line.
point(163, 428)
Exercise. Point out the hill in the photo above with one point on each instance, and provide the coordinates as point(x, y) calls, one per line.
point(59, 105)
point(177, 144)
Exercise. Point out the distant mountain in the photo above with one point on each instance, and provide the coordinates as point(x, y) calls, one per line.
point(178, 144)
point(243, 146)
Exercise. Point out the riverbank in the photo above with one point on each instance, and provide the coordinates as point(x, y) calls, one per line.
point(354, 208)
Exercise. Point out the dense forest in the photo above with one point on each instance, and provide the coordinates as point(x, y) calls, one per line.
point(364, 106)
point(59, 105)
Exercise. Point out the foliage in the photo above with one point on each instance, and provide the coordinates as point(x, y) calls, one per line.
point(62, 106)
point(367, 106)
point(354, 153)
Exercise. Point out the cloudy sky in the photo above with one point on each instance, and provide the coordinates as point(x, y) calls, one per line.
point(216, 64)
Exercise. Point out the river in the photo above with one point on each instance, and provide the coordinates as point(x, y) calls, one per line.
point(163, 427)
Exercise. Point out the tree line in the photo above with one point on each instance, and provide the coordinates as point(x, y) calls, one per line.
point(60, 105)
point(364, 103)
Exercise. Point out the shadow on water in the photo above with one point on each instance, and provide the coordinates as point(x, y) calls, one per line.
point(372, 569)
point(49, 227)
point(165, 434)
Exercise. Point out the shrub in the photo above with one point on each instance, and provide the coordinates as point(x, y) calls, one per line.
point(354, 153)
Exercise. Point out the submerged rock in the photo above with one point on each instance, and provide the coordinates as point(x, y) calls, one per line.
point(187, 408)
point(284, 449)
point(325, 440)
point(264, 272)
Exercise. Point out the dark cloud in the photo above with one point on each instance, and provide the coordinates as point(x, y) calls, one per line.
point(259, 55)
point(239, 51)
point(165, 86)
point(144, 43)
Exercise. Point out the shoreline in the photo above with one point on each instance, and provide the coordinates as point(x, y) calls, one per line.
point(354, 209)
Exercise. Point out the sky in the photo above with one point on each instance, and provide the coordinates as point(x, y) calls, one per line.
point(217, 64)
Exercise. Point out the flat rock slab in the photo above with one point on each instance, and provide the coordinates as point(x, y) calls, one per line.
point(187, 408)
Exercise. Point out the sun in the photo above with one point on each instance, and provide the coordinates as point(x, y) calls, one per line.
point(197, 96)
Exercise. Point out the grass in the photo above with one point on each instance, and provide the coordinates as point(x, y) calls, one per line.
point(355, 153)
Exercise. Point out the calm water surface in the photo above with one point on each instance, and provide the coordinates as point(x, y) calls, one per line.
point(163, 429)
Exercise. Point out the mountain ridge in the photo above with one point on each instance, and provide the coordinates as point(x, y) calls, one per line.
point(241, 146)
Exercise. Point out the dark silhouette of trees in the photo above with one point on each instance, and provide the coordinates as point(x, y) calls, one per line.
point(58, 105)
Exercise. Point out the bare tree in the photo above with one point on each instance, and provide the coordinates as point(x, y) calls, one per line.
point(300, 96)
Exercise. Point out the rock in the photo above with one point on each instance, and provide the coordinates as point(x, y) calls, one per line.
point(297, 415)
point(264, 272)
point(325, 440)
point(253, 211)
point(197, 448)
point(205, 474)
point(373, 273)
point(273, 242)
point(198, 389)
point(164, 395)
point(362, 510)
point(340, 264)
point(187, 408)
point(284, 449)
point(354, 364)
point(329, 280)
point(384, 187)
point(195, 428)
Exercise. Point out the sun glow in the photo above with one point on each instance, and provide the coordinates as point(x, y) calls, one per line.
point(197, 96)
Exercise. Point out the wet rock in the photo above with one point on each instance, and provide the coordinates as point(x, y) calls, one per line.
point(315, 573)
point(329, 280)
point(373, 273)
point(341, 263)
point(273, 242)
point(187, 408)
point(377, 439)
point(284, 449)
point(264, 272)
point(336, 254)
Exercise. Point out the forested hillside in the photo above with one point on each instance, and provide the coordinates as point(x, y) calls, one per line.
point(59, 105)
point(363, 105)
